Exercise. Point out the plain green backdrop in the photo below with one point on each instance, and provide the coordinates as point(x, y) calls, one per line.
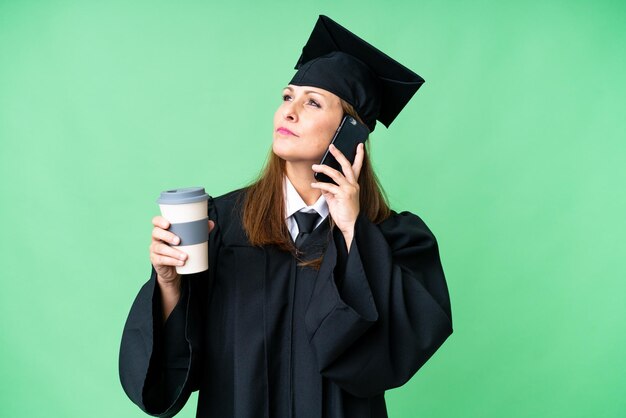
point(513, 152)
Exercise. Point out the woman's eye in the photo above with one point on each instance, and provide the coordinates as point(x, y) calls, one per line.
point(314, 103)
point(286, 97)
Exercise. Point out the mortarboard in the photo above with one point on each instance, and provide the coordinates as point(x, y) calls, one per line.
point(376, 85)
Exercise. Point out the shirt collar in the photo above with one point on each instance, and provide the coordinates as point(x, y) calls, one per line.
point(294, 203)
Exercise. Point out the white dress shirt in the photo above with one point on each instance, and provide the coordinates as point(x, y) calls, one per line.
point(294, 203)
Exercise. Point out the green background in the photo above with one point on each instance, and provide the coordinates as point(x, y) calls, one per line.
point(513, 152)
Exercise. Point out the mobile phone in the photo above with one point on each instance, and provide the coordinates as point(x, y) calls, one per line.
point(348, 136)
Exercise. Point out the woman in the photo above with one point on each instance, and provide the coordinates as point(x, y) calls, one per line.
point(297, 320)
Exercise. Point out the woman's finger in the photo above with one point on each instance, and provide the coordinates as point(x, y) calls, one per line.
point(346, 167)
point(160, 222)
point(327, 187)
point(358, 160)
point(159, 234)
point(158, 248)
point(330, 172)
point(162, 260)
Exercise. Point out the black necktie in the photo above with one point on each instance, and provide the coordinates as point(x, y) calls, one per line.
point(306, 223)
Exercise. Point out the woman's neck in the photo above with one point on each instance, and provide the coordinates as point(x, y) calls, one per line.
point(301, 176)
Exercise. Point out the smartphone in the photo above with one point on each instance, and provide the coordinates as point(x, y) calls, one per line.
point(348, 136)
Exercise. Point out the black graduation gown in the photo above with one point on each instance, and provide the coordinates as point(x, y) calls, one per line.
point(259, 336)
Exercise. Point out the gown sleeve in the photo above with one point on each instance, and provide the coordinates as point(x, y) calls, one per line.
point(380, 311)
point(159, 364)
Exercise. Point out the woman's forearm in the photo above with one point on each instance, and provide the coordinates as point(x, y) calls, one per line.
point(170, 294)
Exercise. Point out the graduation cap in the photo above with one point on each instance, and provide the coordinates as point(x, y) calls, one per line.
point(376, 85)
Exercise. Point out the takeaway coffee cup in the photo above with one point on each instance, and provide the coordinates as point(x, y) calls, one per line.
point(186, 211)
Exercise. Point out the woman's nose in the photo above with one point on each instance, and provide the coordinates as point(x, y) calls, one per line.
point(289, 112)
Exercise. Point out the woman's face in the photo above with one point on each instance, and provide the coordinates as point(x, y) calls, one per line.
point(304, 123)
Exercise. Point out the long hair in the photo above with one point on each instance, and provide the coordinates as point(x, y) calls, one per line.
point(263, 206)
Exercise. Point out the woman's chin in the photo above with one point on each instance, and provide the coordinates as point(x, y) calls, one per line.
point(296, 159)
point(292, 153)
point(285, 151)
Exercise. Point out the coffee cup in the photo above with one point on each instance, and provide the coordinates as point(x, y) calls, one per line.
point(186, 211)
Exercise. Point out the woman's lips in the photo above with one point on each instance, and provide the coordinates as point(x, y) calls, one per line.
point(285, 131)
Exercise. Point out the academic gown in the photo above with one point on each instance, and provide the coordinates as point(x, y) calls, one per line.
point(260, 336)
